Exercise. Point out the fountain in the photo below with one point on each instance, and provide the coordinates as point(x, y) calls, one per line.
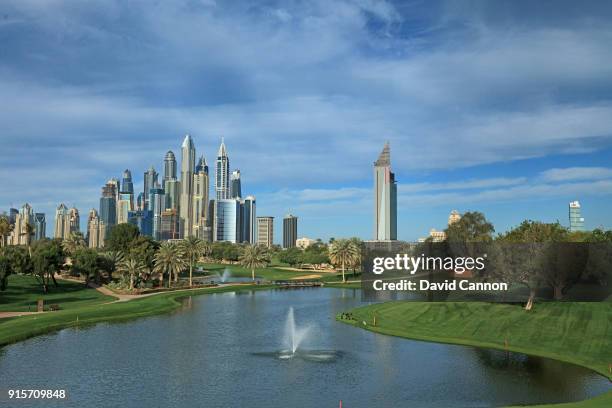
point(292, 339)
point(226, 275)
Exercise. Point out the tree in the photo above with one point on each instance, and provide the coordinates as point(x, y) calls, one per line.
point(73, 243)
point(315, 254)
point(48, 258)
point(5, 230)
point(254, 256)
point(169, 259)
point(86, 262)
point(29, 233)
point(19, 257)
point(357, 261)
point(143, 248)
point(5, 271)
point(193, 249)
point(132, 268)
point(600, 256)
point(110, 261)
point(472, 227)
point(120, 237)
point(343, 252)
point(290, 256)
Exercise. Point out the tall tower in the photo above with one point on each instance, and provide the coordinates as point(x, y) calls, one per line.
point(75, 220)
point(222, 176)
point(265, 231)
point(385, 198)
point(62, 222)
point(185, 206)
point(108, 205)
point(248, 220)
point(289, 231)
point(169, 166)
point(236, 187)
point(150, 181)
point(200, 200)
point(576, 221)
point(93, 229)
point(40, 226)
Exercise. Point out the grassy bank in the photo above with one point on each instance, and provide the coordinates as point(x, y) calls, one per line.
point(577, 333)
point(23, 291)
point(20, 328)
point(268, 273)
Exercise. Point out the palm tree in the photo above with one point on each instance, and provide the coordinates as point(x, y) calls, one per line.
point(168, 259)
point(5, 230)
point(193, 248)
point(28, 231)
point(113, 259)
point(73, 243)
point(132, 268)
point(254, 256)
point(343, 252)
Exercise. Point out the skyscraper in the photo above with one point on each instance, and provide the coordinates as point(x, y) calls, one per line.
point(289, 231)
point(125, 204)
point(96, 231)
point(228, 220)
point(108, 205)
point(235, 187)
point(200, 200)
point(187, 168)
point(150, 181)
point(75, 220)
point(576, 222)
point(25, 217)
point(248, 220)
point(169, 166)
point(127, 186)
point(40, 226)
point(169, 225)
point(385, 198)
point(265, 231)
point(157, 204)
point(222, 176)
point(62, 222)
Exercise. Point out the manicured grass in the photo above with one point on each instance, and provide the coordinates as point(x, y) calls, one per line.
point(23, 291)
point(578, 333)
point(20, 328)
point(269, 273)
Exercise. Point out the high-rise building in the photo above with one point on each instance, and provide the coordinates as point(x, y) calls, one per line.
point(124, 207)
point(289, 231)
point(227, 213)
point(75, 220)
point(156, 206)
point(172, 190)
point(222, 176)
point(40, 226)
point(150, 181)
point(453, 217)
point(385, 198)
point(169, 224)
point(127, 186)
point(235, 187)
point(186, 202)
point(108, 205)
point(20, 234)
point(200, 200)
point(143, 220)
point(62, 222)
point(248, 223)
point(576, 222)
point(169, 166)
point(96, 230)
point(265, 231)
point(212, 220)
point(12, 215)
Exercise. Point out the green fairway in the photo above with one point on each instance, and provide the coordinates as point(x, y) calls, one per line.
point(20, 328)
point(269, 273)
point(578, 333)
point(24, 290)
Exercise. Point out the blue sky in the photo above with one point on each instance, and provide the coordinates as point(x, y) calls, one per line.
point(501, 107)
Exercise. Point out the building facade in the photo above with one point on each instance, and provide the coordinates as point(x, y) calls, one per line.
point(248, 220)
point(304, 242)
point(200, 200)
point(235, 185)
point(265, 231)
point(385, 198)
point(222, 176)
point(108, 205)
point(227, 226)
point(40, 226)
point(62, 222)
point(150, 181)
point(289, 231)
point(576, 221)
point(186, 202)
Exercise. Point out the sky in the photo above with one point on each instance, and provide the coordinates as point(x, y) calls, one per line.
point(502, 107)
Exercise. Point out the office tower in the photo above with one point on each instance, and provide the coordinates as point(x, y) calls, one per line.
point(265, 231)
point(124, 207)
point(127, 186)
point(75, 220)
point(289, 231)
point(114, 182)
point(62, 222)
point(576, 221)
point(212, 220)
point(222, 182)
point(12, 215)
point(169, 224)
point(228, 220)
point(96, 230)
point(385, 198)
point(172, 190)
point(24, 217)
point(453, 217)
point(140, 202)
point(235, 187)
point(40, 226)
point(187, 168)
point(200, 200)
point(248, 220)
point(150, 181)
point(108, 205)
point(169, 166)
point(157, 204)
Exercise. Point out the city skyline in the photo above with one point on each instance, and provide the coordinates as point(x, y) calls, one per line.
point(478, 117)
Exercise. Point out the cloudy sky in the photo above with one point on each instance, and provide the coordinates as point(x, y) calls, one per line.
point(502, 107)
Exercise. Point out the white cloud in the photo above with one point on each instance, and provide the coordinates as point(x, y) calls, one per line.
point(577, 173)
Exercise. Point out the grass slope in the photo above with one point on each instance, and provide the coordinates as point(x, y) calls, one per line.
point(578, 333)
point(24, 290)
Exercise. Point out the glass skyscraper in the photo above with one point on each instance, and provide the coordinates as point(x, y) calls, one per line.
point(222, 176)
point(227, 226)
point(40, 226)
